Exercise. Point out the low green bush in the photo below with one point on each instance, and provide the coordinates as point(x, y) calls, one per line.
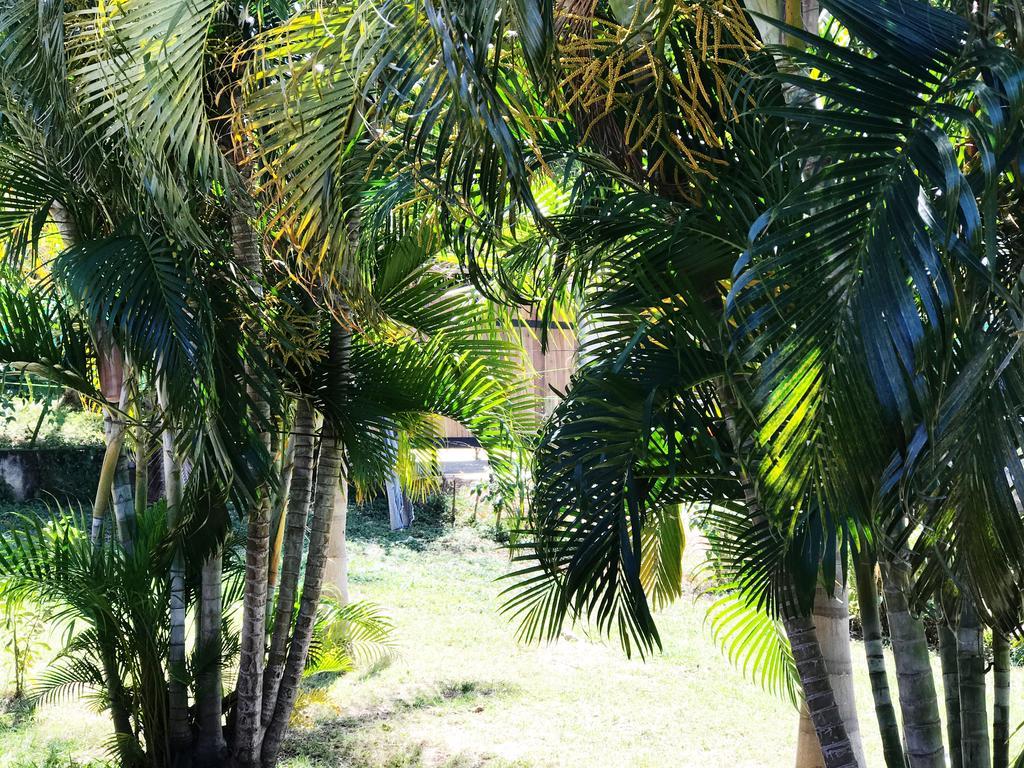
point(58, 427)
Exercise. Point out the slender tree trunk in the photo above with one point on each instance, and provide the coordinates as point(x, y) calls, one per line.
point(836, 749)
point(124, 503)
point(808, 750)
point(970, 660)
point(249, 689)
point(1001, 711)
point(127, 746)
point(291, 553)
point(398, 510)
point(211, 747)
point(328, 476)
point(951, 689)
point(177, 715)
point(113, 481)
point(253, 637)
point(104, 487)
point(831, 616)
point(919, 703)
point(124, 735)
point(336, 580)
point(141, 472)
point(142, 455)
point(278, 522)
point(885, 713)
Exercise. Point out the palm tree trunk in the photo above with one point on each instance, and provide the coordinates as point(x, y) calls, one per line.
point(922, 726)
point(808, 750)
point(871, 621)
point(211, 747)
point(124, 736)
point(398, 509)
point(831, 616)
point(278, 522)
point(970, 659)
point(291, 553)
point(142, 455)
point(124, 502)
point(951, 688)
point(336, 580)
point(836, 749)
point(249, 689)
point(104, 487)
point(328, 476)
point(177, 718)
point(114, 481)
point(1001, 710)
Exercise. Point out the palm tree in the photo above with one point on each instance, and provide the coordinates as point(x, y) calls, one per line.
point(819, 399)
point(175, 294)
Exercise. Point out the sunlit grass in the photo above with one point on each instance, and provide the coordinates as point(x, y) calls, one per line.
point(462, 693)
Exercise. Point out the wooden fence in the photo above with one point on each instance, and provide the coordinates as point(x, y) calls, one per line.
point(551, 369)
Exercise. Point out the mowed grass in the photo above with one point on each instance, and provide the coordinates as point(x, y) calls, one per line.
point(461, 692)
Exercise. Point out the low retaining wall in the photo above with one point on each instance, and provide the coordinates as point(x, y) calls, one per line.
point(29, 473)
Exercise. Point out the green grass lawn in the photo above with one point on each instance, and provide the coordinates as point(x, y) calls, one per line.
point(460, 691)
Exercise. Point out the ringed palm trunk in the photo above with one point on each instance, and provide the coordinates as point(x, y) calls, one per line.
point(871, 621)
point(278, 523)
point(819, 698)
point(834, 741)
point(970, 659)
point(126, 745)
point(211, 747)
point(249, 689)
point(104, 487)
point(951, 689)
point(922, 726)
point(831, 616)
point(336, 578)
point(328, 476)
point(114, 481)
point(253, 638)
point(123, 496)
point(177, 710)
point(1001, 711)
point(291, 553)
point(124, 734)
point(399, 509)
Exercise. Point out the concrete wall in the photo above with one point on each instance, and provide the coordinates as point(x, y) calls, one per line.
point(49, 472)
point(19, 474)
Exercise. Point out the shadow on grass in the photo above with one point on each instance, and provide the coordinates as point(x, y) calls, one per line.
point(377, 738)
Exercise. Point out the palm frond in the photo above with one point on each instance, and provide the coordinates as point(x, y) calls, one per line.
point(41, 336)
point(630, 442)
point(844, 295)
point(303, 107)
point(753, 641)
point(139, 74)
point(345, 635)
